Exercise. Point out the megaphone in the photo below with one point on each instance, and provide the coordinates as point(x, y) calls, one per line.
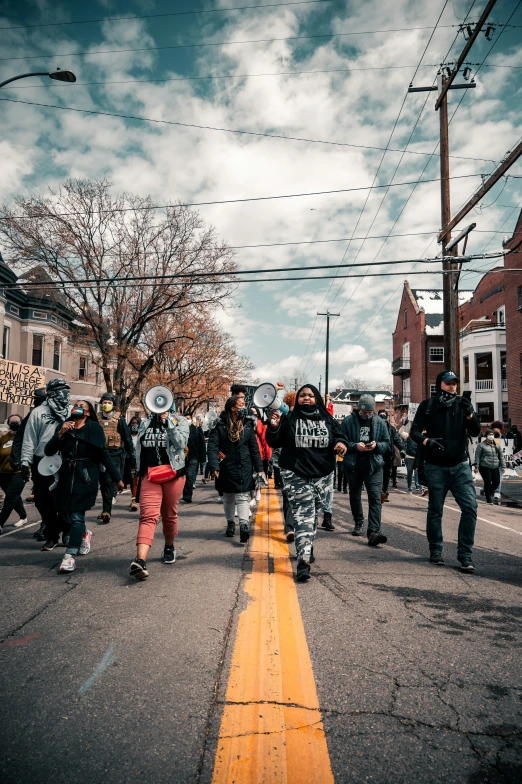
point(210, 419)
point(265, 396)
point(158, 399)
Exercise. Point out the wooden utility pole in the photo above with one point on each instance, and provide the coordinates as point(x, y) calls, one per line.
point(327, 364)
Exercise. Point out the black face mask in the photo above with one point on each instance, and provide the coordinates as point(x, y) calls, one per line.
point(134, 428)
point(364, 415)
point(308, 408)
point(241, 413)
point(14, 426)
point(448, 398)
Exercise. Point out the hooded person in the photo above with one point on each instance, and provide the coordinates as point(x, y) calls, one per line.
point(369, 442)
point(441, 428)
point(119, 443)
point(15, 457)
point(11, 480)
point(39, 428)
point(309, 439)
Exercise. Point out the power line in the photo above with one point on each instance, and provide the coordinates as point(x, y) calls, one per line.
point(234, 201)
point(222, 43)
point(159, 16)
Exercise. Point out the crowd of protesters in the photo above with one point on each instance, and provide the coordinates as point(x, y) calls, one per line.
point(71, 453)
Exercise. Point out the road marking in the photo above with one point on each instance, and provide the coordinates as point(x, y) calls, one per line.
point(482, 519)
point(23, 528)
point(108, 658)
point(271, 729)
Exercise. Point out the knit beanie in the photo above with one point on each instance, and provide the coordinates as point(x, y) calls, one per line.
point(366, 403)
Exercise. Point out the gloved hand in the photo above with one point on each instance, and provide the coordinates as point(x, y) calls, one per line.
point(431, 443)
point(403, 454)
point(466, 406)
point(15, 466)
point(26, 474)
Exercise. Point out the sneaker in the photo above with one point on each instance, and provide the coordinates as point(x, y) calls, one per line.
point(466, 564)
point(188, 500)
point(231, 528)
point(244, 533)
point(437, 559)
point(30, 499)
point(133, 506)
point(375, 538)
point(221, 500)
point(358, 529)
point(100, 516)
point(138, 569)
point(386, 498)
point(410, 491)
point(40, 534)
point(169, 554)
point(327, 522)
point(424, 492)
point(105, 518)
point(205, 481)
point(85, 546)
point(19, 523)
point(49, 545)
point(303, 571)
point(68, 563)
point(290, 537)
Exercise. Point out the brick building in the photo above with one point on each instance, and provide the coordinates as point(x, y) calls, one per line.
point(513, 306)
point(418, 344)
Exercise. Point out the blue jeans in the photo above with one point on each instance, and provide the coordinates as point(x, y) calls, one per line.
point(77, 522)
point(459, 480)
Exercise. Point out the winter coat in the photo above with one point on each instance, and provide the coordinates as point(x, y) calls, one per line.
point(196, 444)
point(351, 428)
point(82, 452)
point(448, 424)
point(242, 458)
point(177, 439)
point(489, 455)
point(39, 429)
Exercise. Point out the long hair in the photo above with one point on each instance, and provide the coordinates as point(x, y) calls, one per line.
point(296, 413)
point(234, 428)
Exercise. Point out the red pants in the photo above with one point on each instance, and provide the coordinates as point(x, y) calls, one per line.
point(156, 499)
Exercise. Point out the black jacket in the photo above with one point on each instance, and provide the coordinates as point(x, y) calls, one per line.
point(82, 451)
point(196, 444)
point(241, 459)
point(351, 428)
point(311, 462)
point(448, 424)
point(15, 458)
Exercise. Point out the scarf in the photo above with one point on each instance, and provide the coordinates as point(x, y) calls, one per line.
point(59, 404)
point(447, 398)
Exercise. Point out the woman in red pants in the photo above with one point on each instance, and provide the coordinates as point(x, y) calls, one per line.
point(160, 459)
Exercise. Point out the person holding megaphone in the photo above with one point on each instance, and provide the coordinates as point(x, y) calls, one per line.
point(309, 438)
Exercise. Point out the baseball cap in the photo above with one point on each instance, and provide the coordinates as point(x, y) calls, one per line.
point(449, 376)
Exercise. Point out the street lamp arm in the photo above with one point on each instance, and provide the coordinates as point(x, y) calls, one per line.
point(23, 76)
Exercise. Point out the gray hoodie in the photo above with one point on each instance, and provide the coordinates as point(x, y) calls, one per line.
point(40, 428)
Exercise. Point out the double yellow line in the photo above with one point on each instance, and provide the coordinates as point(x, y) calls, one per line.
point(271, 730)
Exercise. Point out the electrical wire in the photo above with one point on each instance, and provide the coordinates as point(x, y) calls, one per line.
point(160, 16)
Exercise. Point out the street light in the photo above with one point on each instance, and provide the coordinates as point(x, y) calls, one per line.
point(60, 76)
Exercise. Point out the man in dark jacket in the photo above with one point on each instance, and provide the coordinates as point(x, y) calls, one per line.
point(368, 443)
point(16, 450)
point(389, 457)
point(196, 454)
point(442, 425)
point(119, 443)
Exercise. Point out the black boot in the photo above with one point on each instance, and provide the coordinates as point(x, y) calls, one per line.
point(327, 522)
point(40, 534)
point(303, 571)
point(358, 529)
point(231, 528)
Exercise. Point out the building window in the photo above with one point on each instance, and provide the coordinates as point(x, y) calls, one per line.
point(433, 389)
point(436, 354)
point(405, 390)
point(82, 370)
point(466, 370)
point(16, 310)
point(405, 319)
point(39, 314)
point(484, 366)
point(54, 319)
point(38, 348)
point(5, 343)
point(57, 348)
point(505, 411)
point(97, 378)
point(501, 317)
point(486, 413)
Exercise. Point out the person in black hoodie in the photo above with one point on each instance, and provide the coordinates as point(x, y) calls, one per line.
point(196, 454)
point(81, 442)
point(233, 442)
point(442, 425)
point(309, 438)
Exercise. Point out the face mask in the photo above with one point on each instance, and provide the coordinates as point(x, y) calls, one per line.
point(134, 428)
point(490, 437)
point(14, 426)
point(365, 414)
point(78, 412)
point(448, 398)
point(308, 408)
point(241, 413)
point(382, 416)
point(107, 407)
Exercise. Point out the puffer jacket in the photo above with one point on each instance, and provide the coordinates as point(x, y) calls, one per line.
point(351, 429)
point(489, 455)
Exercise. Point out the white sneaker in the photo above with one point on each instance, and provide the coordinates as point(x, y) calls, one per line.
point(85, 546)
point(68, 563)
point(20, 523)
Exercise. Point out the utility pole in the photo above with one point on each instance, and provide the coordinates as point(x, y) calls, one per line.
point(320, 379)
point(295, 384)
point(328, 316)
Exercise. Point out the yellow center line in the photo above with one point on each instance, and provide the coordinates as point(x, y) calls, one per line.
point(271, 729)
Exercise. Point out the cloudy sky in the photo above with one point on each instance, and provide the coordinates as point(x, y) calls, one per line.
point(331, 74)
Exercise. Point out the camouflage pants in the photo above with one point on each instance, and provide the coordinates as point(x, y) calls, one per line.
point(328, 500)
point(306, 498)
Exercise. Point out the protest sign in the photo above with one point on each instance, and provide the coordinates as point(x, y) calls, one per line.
point(412, 410)
point(18, 382)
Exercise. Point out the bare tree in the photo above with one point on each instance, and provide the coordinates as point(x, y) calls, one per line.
point(121, 266)
point(356, 383)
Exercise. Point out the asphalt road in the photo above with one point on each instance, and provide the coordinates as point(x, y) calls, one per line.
point(417, 668)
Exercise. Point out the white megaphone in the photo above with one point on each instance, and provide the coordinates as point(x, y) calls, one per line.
point(158, 400)
point(210, 419)
point(265, 396)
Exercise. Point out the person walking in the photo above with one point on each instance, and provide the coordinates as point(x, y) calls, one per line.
point(39, 429)
point(411, 452)
point(11, 480)
point(131, 476)
point(369, 442)
point(196, 454)
point(442, 426)
point(392, 458)
point(233, 458)
point(119, 444)
point(309, 438)
point(160, 458)
point(81, 443)
point(489, 460)
point(15, 458)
